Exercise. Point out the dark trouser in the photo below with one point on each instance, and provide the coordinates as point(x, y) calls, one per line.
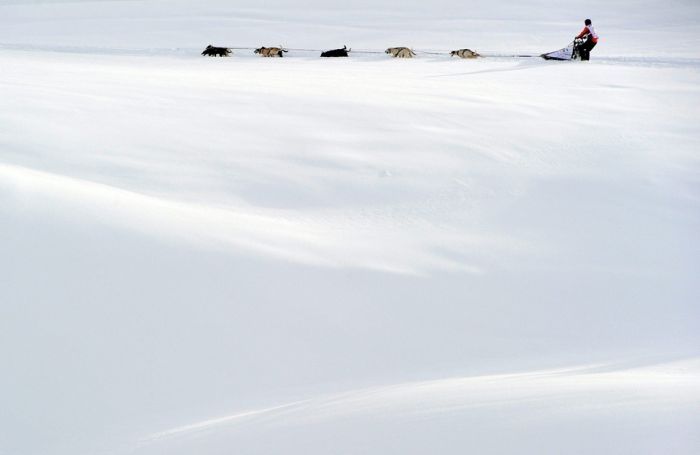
point(586, 48)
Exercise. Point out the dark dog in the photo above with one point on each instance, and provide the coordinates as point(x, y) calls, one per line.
point(270, 51)
point(464, 53)
point(212, 51)
point(336, 52)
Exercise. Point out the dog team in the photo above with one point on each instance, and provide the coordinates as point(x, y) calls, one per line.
point(396, 52)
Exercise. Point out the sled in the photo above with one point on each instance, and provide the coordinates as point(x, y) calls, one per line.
point(570, 52)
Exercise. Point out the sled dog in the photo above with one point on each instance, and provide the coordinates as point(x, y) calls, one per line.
point(212, 51)
point(400, 52)
point(271, 51)
point(464, 53)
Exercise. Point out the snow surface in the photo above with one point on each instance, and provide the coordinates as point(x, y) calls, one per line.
point(348, 256)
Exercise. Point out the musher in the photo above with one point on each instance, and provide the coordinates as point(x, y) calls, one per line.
point(591, 39)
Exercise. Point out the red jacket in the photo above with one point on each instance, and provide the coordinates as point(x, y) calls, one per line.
point(589, 30)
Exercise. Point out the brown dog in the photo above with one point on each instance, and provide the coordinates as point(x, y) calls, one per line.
point(400, 52)
point(271, 51)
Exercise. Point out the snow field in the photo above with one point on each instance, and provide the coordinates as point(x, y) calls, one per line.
point(345, 256)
